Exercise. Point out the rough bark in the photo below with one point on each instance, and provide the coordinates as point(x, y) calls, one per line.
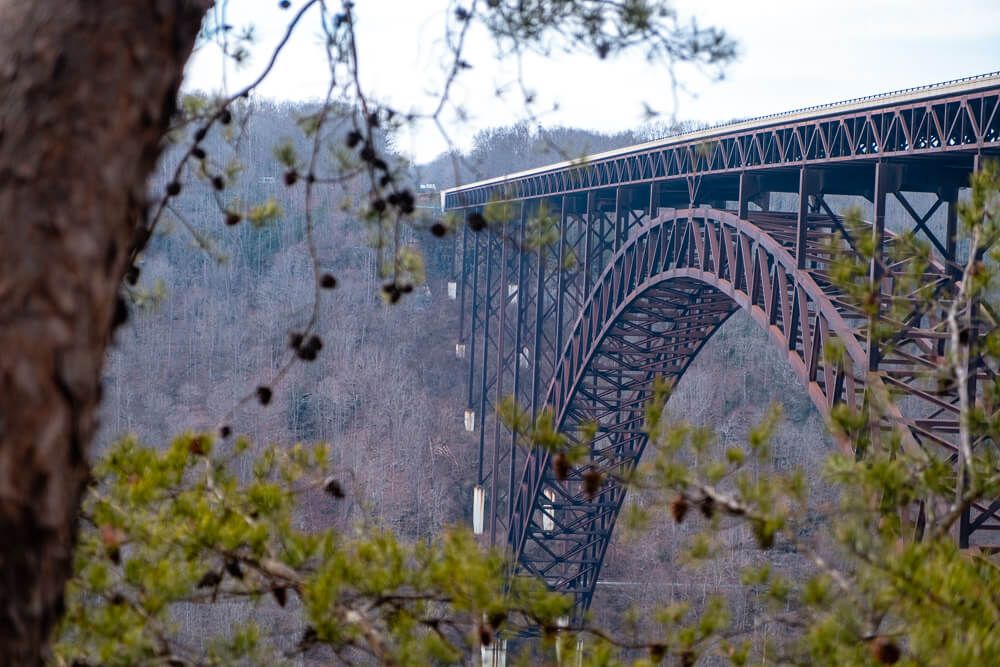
point(86, 90)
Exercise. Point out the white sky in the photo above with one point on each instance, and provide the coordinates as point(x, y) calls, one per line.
point(793, 53)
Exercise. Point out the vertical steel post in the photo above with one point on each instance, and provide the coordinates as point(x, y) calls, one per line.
point(951, 232)
point(453, 271)
point(621, 225)
point(539, 314)
point(802, 221)
point(875, 267)
point(518, 351)
point(502, 296)
point(486, 350)
point(472, 333)
point(748, 190)
point(560, 285)
point(588, 229)
point(465, 277)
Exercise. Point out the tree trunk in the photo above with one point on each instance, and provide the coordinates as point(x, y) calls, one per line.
point(87, 88)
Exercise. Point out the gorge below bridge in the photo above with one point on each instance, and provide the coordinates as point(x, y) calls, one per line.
point(668, 239)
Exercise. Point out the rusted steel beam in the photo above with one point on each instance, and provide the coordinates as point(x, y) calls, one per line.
point(657, 282)
point(808, 187)
point(606, 370)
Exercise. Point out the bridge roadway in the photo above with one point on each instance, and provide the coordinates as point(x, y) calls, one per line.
point(649, 249)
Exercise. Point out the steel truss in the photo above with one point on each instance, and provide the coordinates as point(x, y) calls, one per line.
point(641, 275)
point(939, 121)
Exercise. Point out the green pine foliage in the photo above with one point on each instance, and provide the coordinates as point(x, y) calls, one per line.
point(185, 525)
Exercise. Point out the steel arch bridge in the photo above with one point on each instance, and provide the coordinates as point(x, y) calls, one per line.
point(668, 240)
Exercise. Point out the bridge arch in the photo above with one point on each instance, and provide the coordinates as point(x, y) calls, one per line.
point(663, 295)
point(699, 265)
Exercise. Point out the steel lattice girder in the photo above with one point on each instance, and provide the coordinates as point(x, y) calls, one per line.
point(953, 117)
point(639, 289)
point(696, 267)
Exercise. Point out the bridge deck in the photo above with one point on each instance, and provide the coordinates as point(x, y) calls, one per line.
point(958, 117)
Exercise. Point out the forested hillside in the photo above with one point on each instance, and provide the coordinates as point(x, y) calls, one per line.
point(504, 150)
point(217, 305)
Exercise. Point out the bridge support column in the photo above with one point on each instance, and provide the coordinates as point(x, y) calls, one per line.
point(536, 357)
point(462, 279)
point(546, 311)
point(502, 297)
point(750, 190)
point(951, 231)
point(621, 219)
point(561, 281)
point(654, 199)
point(588, 233)
point(484, 377)
point(809, 185)
point(886, 180)
point(473, 317)
point(574, 240)
point(517, 359)
point(631, 207)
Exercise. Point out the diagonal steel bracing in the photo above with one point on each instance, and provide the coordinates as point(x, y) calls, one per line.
point(649, 250)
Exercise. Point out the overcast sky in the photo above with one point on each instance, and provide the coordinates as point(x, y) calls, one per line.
point(793, 53)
